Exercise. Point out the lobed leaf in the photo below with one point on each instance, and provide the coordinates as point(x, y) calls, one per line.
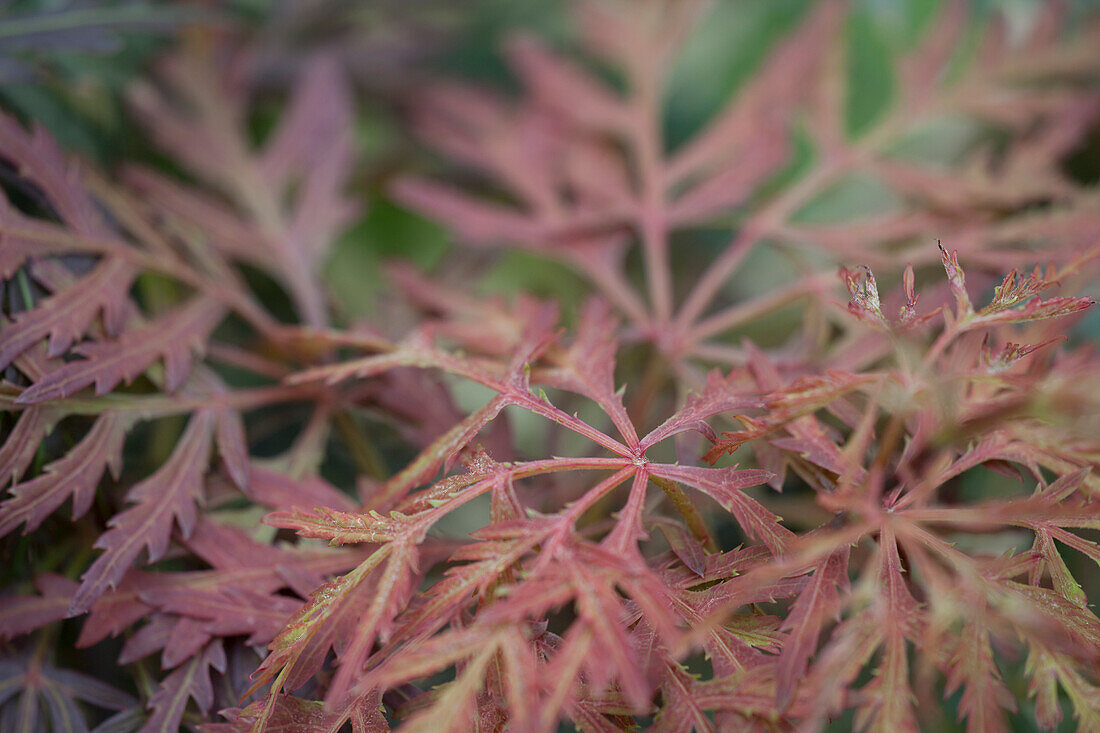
point(173, 338)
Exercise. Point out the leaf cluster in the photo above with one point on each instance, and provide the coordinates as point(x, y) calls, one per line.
point(502, 513)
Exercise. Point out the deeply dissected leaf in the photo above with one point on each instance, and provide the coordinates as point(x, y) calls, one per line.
point(76, 474)
point(66, 316)
point(60, 689)
point(718, 396)
point(24, 614)
point(173, 338)
point(724, 486)
point(189, 682)
point(166, 498)
point(22, 442)
point(809, 613)
point(340, 527)
point(985, 693)
point(496, 566)
point(589, 368)
point(290, 646)
point(310, 153)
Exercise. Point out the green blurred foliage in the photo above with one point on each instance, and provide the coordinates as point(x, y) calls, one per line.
point(66, 65)
point(354, 272)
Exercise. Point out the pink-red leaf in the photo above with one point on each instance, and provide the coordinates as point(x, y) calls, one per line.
point(67, 315)
point(165, 498)
point(23, 614)
point(818, 601)
point(174, 338)
point(76, 474)
point(720, 395)
point(724, 486)
point(189, 682)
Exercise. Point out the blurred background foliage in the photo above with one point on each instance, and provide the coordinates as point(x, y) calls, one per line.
point(68, 64)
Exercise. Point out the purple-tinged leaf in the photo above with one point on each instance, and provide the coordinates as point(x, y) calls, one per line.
point(1043, 686)
point(227, 612)
point(165, 498)
point(1012, 292)
point(66, 316)
point(441, 453)
point(293, 191)
point(189, 682)
point(79, 686)
point(150, 638)
point(923, 68)
point(288, 714)
point(790, 408)
point(731, 187)
point(393, 589)
point(22, 238)
point(228, 234)
point(683, 545)
point(184, 641)
point(1037, 309)
point(232, 446)
point(313, 141)
point(599, 608)
point(743, 693)
point(985, 697)
point(22, 443)
point(116, 610)
point(23, 614)
point(557, 82)
point(812, 392)
point(174, 338)
point(681, 711)
point(291, 660)
point(1010, 354)
point(40, 160)
point(1061, 578)
point(341, 527)
point(76, 474)
point(864, 301)
point(907, 313)
point(782, 83)
point(889, 697)
point(279, 491)
point(226, 547)
point(472, 219)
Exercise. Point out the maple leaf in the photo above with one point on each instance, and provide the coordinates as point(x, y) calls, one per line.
point(67, 315)
point(502, 536)
point(24, 614)
point(985, 694)
point(719, 395)
point(311, 150)
point(294, 714)
point(36, 681)
point(1007, 296)
point(561, 212)
point(724, 486)
point(588, 368)
point(816, 602)
point(172, 338)
point(165, 498)
point(76, 474)
point(190, 681)
point(284, 663)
